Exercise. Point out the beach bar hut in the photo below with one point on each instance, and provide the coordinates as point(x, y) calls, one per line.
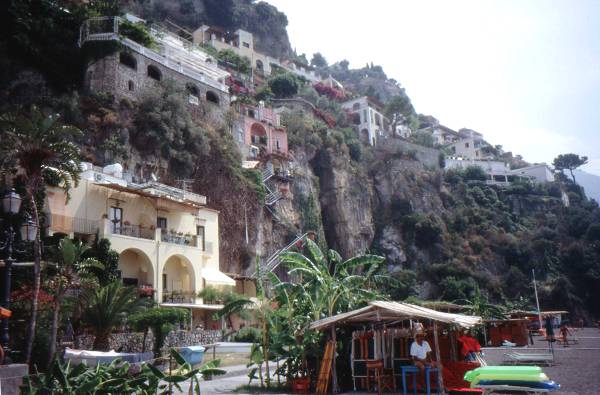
point(387, 319)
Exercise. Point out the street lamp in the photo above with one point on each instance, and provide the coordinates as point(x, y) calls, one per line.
point(11, 204)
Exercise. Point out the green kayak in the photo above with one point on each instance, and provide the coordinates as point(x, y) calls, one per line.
point(504, 371)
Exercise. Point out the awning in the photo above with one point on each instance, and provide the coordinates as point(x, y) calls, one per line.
point(250, 164)
point(194, 306)
point(382, 311)
point(214, 276)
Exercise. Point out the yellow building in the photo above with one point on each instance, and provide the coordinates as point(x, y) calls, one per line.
point(166, 237)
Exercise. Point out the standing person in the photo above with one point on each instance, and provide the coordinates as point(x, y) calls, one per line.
point(564, 332)
point(420, 352)
point(548, 325)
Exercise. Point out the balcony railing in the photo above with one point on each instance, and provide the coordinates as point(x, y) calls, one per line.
point(176, 238)
point(66, 224)
point(139, 231)
point(178, 297)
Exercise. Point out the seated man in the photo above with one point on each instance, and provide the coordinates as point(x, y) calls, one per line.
point(420, 352)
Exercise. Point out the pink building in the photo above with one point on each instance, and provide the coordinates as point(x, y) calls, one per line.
point(263, 132)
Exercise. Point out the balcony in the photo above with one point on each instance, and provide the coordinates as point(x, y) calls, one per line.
point(178, 238)
point(65, 224)
point(127, 229)
point(178, 297)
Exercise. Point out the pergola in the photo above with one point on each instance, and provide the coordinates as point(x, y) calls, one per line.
point(390, 313)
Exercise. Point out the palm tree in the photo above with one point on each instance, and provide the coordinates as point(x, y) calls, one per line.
point(71, 270)
point(107, 307)
point(39, 146)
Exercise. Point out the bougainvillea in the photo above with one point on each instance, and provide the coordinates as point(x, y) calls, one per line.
point(330, 92)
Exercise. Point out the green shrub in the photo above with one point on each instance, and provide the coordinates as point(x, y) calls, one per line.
point(136, 32)
point(427, 233)
point(248, 335)
point(284, 85)
point(475, 173)
point(356, 150)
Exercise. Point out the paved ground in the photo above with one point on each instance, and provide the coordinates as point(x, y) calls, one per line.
point(576, 368)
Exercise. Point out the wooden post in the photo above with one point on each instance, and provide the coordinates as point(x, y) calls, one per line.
point(334, 385)
point(438, 358)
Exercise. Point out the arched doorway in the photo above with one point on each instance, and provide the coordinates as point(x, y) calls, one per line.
point(178, 280)
point(136, 269)
point(258, 134)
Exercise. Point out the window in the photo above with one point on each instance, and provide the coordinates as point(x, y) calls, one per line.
point(278, 144)
point(259, 65)
point(356, 106)
point(192, 89)
point(251, 113)
point(200, 235)
point(128, 60)
point(154, 73)
point(130, 85)
point(245, 44)
point(212, 97)
point(116, 217)
point(161, 222)
point(466, 145)
point(164, 284)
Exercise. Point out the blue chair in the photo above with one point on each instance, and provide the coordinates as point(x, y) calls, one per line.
point(411, 369)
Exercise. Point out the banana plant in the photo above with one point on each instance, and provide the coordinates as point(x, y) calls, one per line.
point(118, 378)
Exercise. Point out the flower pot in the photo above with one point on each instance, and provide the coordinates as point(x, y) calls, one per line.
point(300, 385)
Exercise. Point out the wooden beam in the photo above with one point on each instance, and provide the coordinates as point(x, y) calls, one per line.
point(334, 383)
point(438, 358)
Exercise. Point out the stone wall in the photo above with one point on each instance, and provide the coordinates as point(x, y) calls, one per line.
point(132, 341)
point(111, 75)
point(429, 157)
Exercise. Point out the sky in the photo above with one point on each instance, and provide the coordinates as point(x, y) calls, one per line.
point(526, 74)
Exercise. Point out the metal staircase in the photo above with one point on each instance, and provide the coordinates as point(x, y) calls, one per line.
point(273, 261)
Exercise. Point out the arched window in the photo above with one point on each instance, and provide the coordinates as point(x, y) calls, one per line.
point(259, 65)
point(154, 73)
point(212, 97)
point(192, 89)
point(130, 85)
point(127, 59)
point(356, 106)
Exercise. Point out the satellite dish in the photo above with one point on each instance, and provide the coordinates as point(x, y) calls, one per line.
point(153, 176)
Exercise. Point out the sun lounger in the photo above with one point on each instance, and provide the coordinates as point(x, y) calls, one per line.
point(527, 358)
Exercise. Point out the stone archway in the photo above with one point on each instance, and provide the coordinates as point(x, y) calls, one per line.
point(136, 268)
point(178, 280)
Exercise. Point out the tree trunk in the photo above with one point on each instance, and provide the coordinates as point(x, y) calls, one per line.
point(266, 352)
point(37, 255)
point(101, 341)
point(144, 340)
point(54, 328)
point(572, 176)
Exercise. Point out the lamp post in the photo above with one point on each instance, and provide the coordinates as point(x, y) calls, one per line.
point(11, 204)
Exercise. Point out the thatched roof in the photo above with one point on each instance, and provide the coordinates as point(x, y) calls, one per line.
point(382, 311)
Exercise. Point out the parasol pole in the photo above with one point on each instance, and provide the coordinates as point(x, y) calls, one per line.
point(438, 357)
point(537, 300)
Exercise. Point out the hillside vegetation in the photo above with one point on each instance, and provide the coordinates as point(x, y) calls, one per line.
point(444, 235)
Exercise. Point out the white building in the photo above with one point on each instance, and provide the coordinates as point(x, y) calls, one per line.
point(369, 120)
point(538, 173)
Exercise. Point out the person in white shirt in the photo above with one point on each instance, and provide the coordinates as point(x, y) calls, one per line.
point(420, 352)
